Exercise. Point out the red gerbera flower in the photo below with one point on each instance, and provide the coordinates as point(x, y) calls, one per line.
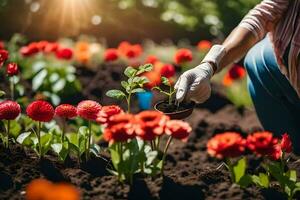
point(3, 56)
point(275, 152)
point(120, 128)
point(150, 124)
point(129, 50)
point(30, 49)
point(12, 69)
point(167, 70)
point(236, 72)
point(106, 112)
point(51, 47)
point(66, 111)
point(183, 56)
point(226, 145)
point(88, 109)
point(9, 110)
point(41, 45)
point(151, 59)
point(286, 143)
point(64, 53)
point(178, 129)
point(261, 143)
point(40, 111)
point(111, 55)
point(204, 45)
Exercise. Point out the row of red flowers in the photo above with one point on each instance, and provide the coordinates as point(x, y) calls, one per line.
point(232, 144)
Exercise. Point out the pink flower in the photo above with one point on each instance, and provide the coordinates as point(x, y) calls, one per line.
point(106, 112)
point(88, 109)
point(178, 129)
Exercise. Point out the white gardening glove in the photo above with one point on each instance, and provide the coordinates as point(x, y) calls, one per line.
point(194, 84)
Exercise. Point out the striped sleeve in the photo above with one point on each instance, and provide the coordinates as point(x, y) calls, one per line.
point(264, 16)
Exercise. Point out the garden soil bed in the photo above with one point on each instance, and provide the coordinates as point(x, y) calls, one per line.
point(189, 172)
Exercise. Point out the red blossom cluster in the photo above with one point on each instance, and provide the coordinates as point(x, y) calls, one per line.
point(183, 56)
point(204, 45)
point(47, 47)
point(111, 55)
point(146, 125)
point(130, 50)
point(231, 144)
point(3, 56)
point(236, 72)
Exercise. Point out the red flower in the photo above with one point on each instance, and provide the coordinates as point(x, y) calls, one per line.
point(30, 49)
point(286, 143)
point(150, 124)
point(9, 110)
point(88, 109)
point(3, 56)
point(151, 59)
point(183, 56)
point(236, 72)
point(66, 111)
point(226, 145)
point(12, 69)
point(178, 129)
point(51, 47)
point(64, 53)
point(261, 143)
point(275, 152)
point(106, 112)
point(154, 79)
point(40, 110)
point(119, 128)
point(41, 45)
point(129, 50)
point(111, 55)
point(204, 45)
point(167, 70)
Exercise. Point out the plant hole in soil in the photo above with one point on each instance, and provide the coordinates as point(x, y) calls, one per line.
point(181, 111)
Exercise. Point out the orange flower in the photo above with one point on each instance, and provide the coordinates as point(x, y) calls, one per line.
point(178, 129)
point(261, 143)
point(154, 79)
point(183, 56)
point(119, 128)
point(42, 189)
point(83, 57)
point(226, 145)
point(107, 112)
point(286, 143)
point(82, 46)
point(129, 50)
point(204, 45)
point(150, 124)
point(236, 72)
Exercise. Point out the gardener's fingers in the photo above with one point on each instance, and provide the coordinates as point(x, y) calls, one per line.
point(182, 87)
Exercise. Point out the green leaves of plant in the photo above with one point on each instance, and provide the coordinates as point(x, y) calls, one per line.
point(165, 81)
point(130, 72)
point(262, 180)
point(239, 169)
point(116, 94)
point(2, 93)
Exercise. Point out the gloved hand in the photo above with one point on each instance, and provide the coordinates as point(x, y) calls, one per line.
point(194, 84)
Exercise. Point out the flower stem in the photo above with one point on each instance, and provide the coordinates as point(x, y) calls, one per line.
point(6, 144)
point(12, 88)
point(63, 131)
point(165, 154)
point(128, 102)
point(87, 152)
point(39, 139)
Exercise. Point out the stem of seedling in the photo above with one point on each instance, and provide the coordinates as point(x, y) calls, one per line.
point(120, 150)
point(87, 151)
point(158, 143)
point(165, 154)
point(12, 87)
point(128, 102)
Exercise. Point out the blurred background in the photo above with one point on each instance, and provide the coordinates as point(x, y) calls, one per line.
point(118, 20)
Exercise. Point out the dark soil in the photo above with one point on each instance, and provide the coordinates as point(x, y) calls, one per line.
point(189, 172)
point(165, 107)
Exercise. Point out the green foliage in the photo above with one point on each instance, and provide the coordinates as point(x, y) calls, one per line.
point(165, 81)
point(134, 84)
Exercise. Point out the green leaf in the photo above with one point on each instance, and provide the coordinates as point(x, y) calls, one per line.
point(115, 157)
point(60, 150)
point(264, 180)
point(83, 130)
point(137, 90)
point(239, 169)
point(15, 128)
point(38, 79)
point(116, 94)
point(124, 84)
point(130, 72)
point(95, 149)
point(144, 68)
point(245, 181)
point(46, 140)
point(165, 81)
point(292, 174)
point(24, 138)
point(2, 93)
point(59, 85)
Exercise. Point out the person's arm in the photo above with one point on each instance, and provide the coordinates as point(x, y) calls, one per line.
point(195, 83)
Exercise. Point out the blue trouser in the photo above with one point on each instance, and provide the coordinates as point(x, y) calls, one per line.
point(275, 100)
